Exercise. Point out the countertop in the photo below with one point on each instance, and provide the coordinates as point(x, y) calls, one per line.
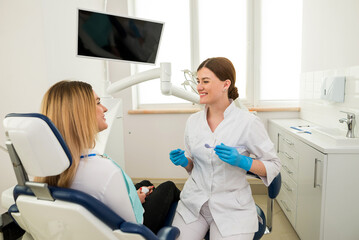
point(319, 141)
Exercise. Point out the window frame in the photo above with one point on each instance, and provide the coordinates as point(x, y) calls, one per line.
point(252, 99)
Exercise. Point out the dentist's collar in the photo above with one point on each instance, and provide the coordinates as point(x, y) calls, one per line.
point(229, 109)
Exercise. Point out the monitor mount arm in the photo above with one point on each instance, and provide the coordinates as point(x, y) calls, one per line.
point(164, 73)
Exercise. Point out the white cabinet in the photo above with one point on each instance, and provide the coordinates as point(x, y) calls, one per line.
point(320, 183)
point(310, 185)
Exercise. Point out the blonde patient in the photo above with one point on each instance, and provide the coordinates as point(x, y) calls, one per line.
point(77, 112)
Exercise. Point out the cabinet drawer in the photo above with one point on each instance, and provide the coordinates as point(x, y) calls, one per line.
point(288, 207)
point(288, 155)
point(289, 169)
point(290, 187)
point(288, 141)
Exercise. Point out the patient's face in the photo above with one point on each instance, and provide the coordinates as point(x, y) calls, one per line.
point(100, 113)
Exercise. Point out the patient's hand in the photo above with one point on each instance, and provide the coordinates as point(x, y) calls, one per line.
point(150, 190)
point(141, 195)
point(143, 192)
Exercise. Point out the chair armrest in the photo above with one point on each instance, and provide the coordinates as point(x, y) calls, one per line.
point(145, 232)
point(97, 208)
point(168, 233)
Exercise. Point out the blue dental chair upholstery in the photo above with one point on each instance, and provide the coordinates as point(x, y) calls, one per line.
point(46, 212)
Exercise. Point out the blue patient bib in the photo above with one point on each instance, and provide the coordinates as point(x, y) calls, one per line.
point(132, 193)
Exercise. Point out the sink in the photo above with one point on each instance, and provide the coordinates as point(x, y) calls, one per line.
point(338, 136)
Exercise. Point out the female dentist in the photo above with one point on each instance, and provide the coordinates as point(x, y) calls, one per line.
point(217, 195)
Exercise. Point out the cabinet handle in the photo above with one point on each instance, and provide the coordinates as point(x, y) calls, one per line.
point(315, 172)
point(288, 156)
point(287, 169)
point(278, 137)
point(285, 206)
point(288, 141)
point(287, 186)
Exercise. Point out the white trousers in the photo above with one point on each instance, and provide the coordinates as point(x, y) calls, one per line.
point(198, 229)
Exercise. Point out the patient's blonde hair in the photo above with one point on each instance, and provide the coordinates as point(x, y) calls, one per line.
point(71, 106)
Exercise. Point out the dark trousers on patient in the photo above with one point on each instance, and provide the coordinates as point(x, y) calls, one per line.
point(158, 203)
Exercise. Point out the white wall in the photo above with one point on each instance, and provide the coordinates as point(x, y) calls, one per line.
point(330, 48)
point(330, 34)
point(37, 48)
point(22, 77)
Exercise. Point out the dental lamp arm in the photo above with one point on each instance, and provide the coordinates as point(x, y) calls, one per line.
point(164, 73)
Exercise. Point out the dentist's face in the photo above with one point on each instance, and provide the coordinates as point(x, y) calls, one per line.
point(100, 114)
point(210, 88)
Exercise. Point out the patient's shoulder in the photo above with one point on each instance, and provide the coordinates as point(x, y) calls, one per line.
point(93, 174)
point(98, 164)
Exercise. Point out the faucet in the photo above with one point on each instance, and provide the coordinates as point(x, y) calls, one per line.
point(350, 120)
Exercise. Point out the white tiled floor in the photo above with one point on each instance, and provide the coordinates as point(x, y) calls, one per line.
point(282, 229)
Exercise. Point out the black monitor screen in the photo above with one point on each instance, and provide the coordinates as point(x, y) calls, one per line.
point(115, 37)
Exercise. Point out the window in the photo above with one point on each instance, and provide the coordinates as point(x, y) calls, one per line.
point(280, 50)
point(262, 38)
point(175, 39)
point(224, 38)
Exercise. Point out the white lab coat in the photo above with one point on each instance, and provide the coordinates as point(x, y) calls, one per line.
point(224, 186)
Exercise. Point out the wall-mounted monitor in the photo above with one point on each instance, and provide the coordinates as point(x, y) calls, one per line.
point(106, 36)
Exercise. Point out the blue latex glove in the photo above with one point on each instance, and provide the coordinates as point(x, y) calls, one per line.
point(230, 155)
point(178, 158)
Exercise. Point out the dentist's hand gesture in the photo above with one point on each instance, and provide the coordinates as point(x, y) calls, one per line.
point(231, 156)
point(178, 158)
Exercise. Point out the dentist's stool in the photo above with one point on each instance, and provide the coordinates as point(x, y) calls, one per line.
point(273, 191)
point(45, 212)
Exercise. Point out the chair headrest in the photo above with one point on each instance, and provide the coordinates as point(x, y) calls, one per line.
point(38, 143)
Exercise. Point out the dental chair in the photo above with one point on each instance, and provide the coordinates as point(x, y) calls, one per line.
point(36, 148)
